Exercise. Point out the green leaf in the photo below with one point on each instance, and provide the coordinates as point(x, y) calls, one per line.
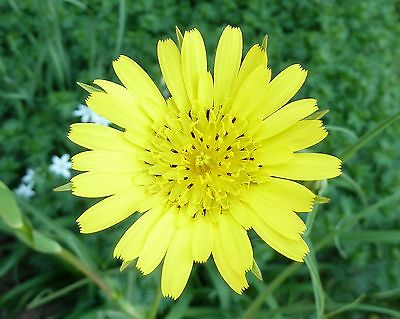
point(125, 264)
point(351, 150)
point(89, 88)
point(264, 43)
point(256, 271)
point(9, 210)
point(45, 244)
point(63, 188)
point(319, 294)
point(321, 200)
point(179, 37)
point(375, 236)
point(318, 115)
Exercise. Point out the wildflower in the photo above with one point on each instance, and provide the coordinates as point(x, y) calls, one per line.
point(219, 157)
point(87, 115)
point(28, 178)
point(25, 190)
point(61, 165)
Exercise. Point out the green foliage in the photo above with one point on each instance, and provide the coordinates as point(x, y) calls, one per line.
point(351, 49)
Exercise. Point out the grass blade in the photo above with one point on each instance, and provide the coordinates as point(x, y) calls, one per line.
point(351, 150)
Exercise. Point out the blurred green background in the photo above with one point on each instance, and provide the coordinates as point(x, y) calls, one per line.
point(352, 52)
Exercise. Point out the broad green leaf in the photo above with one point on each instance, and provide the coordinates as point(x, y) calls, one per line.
point(45, 244)
point(9, 210)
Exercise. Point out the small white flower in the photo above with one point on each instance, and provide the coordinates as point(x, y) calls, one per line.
point(61, 165)
point(87, 115)
point(28, 177)
point(25, 190)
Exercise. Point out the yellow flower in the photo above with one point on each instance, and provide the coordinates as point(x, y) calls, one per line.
point(204, 166)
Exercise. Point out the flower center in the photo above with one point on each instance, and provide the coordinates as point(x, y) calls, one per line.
point(200, 160)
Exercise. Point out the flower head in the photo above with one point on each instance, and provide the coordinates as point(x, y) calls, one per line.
point(25, 190)
point(29, 176)
point(219, 157)
point(61, 165)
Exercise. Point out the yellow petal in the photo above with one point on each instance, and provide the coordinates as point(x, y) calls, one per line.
point(235, 243)
point(286, 117)
point(205, 95)
point(251, 92)
point(301, 135)
point(111, 87)
point(95, 184)
point(194, 62)
point(131, 243)
point(178, 262)
point(140, 105)
point(169, 59)
point(203, 239)
point(281, 89)
point(308, 167)
point(157, 242)
point(99, 137)
point(272, 154)
point(241, 212)
point(110, 211)
point(273, 211)
point(237, 281)
point(295, 249)
point(254, 58)
point(295, 196)
point(227, 61)
point(136, 80)
point(122, 110)
point(106, 162)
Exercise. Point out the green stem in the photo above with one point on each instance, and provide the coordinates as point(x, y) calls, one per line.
point(72, 260)
point(155, 304)
point(251, 311)
point(109, 292)
point(352, 149)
